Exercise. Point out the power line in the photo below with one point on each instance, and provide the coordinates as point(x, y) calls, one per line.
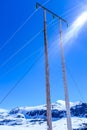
point(10, 91)
point(18, 82)
point(31, 40)
point(75, 83)
point(52, 13)
point(18, 30)
point(73, 79)
point(48, 97)
point(20, 49)
point(69, 10)
point(46, 2)
point(21, 62)
point(20, 27)
point(65, 16)
point(25, 43)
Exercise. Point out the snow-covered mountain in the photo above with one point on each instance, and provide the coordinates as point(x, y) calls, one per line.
point(36, 116)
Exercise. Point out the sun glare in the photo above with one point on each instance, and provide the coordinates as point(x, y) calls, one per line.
point(75, 28)
point(81, 20)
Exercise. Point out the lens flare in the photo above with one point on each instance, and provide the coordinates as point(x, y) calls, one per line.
point(81, 20)
point(76, 27)
point(71, 33)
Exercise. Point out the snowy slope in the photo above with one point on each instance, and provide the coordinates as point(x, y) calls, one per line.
point(33, 118)
point(57, 125)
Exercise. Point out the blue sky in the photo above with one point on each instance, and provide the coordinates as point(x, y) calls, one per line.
point(31, 90)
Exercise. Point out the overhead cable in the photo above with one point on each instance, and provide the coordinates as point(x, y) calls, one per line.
point(20, 27)
point(18, 82)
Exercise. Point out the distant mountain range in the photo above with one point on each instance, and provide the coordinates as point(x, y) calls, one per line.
point(25, 116)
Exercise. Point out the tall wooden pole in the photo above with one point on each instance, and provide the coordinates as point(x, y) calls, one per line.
point(67, 104)
point(48, 100)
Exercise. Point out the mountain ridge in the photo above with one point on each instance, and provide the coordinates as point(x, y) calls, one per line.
point(32, 115)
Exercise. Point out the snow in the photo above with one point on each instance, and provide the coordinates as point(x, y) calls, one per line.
point(34, 108)
point(60, 104)
point(57, 125)
point(17, 116)
point(3, 110)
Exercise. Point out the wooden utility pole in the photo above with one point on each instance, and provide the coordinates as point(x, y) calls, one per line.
point(67, 103)
point(48, 100)
point(48, 97)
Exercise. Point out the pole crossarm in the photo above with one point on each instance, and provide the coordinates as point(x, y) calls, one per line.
point(48, 98)
point(55, 15)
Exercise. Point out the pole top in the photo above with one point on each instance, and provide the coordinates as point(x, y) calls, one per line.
point(52, 13)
